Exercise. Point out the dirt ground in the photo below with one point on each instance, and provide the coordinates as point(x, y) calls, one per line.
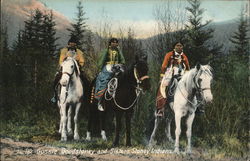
point(24, 151)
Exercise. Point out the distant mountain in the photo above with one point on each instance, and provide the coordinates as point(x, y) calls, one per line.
point(222, 33)
point(15, 12)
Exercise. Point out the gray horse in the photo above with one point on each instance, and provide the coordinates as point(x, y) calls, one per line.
point(192, 90)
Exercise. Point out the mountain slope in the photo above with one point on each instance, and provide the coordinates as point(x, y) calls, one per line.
point(15, 12)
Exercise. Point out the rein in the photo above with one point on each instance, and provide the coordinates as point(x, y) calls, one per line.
point(67, 86)
point(113, 84)
point(198, 90)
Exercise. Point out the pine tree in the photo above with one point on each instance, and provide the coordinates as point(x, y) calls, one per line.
point(131, 47)
point(38, 45)
point(241, 39)
point(49, 34)
point(198, 34)
point(79, 27)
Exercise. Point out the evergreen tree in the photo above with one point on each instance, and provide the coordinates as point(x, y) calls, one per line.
point(131, 47)
point(198, 34)
point(90, 67)
point(17, 45)
point(49, 34)
point(79, 27)
point(241, 39)
point(37, 43)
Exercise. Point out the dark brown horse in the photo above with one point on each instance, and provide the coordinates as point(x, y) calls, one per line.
point(121, 96)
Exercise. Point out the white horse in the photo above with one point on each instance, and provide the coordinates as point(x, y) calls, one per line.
point(192, 90)
point(70, 97)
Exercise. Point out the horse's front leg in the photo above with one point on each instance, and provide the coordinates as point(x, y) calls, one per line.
point(102, 115)
point(61, 120)
point(76, 135)
point(128, 128)
point(190, 120)
point(92, 115)
point(178, 116)
point(69, 127)
point(118, 116)
point(64, 122)
point(152, 137)
point(169, 119)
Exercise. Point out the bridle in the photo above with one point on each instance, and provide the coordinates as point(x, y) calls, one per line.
point(70, 76)
point(197, 84)
point(197, 90)
point(139, 80)
point(113, 84)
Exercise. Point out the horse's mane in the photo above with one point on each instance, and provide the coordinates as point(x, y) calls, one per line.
point(126, 75)
point(187, 78)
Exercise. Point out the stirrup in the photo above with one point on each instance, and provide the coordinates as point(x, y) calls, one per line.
point(53, 99)
point(159, 113)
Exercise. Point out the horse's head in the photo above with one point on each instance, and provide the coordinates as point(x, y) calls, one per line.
point(69, 67)
point(141, 74)
point(203, 81)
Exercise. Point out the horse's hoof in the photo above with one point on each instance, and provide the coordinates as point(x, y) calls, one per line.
point(103, 134)
point(151, 143)
point(76, 137)
point(176, 151)
point(188, 151)
point(128, 145)
point(70, 132)
point(88, 138)
point(171, 140)
point(64, 139)
point(115, 144)
point(104, 138)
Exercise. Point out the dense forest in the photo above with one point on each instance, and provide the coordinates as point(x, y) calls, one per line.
point(28, 67)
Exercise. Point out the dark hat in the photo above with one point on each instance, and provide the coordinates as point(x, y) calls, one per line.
point(73, 39)
point(113, 40)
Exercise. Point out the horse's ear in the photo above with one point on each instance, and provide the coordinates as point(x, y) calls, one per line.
point(198, 66)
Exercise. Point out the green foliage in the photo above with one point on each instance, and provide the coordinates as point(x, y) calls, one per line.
point(241, 38)
point(225, 123)
point(197, 36)
point(131, 47)
point(84, 42)
point(27, 73)
point(79, 27)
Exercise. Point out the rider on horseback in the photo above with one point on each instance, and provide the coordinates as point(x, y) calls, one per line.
point(70, 51)
point(108, 58)
point(175, 58)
